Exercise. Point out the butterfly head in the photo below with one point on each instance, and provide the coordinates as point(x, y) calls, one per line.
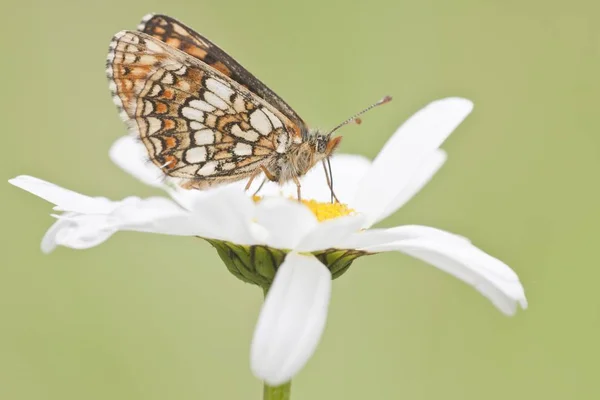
point(317, 147)
point(323, 144)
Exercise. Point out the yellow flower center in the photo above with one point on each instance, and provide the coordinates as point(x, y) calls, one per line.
point(323, 211)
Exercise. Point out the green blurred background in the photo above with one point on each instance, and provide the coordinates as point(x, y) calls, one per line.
point(152, 317)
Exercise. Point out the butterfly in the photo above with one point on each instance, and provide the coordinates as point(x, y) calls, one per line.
point(203, 118)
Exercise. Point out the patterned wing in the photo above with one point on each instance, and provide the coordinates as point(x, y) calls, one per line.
point(196, 123)
point(176, 34)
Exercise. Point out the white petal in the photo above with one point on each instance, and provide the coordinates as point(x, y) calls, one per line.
point(286, 222)
point(347, 171)
point(455, 255)
point(83, 231)
point(49, 240)
point(131, 155)
point(403, 154)
point(186, 197)
point(143, 215)
point(430, 166)
point(292, 319)
point(329, 234)
point(224, 213)
point(228, 211)
point(91, 221)
point(376, 237)
point(64, 199)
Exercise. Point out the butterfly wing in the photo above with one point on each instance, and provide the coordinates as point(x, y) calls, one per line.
point(196, 123)
point(178, 35)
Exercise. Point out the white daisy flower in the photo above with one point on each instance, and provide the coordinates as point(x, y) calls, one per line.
point(291, 249)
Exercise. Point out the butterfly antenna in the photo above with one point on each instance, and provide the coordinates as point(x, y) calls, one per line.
point(355, 119)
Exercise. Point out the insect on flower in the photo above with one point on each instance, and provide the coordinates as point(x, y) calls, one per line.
point(203, 118)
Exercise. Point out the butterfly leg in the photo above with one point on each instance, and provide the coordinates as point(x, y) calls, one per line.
point(260, 187)
point(297, 182)
point(256, 172)
point(268, 174)
point(254, 175)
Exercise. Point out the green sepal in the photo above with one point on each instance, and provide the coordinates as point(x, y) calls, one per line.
point(258, 264)
point(338, 261)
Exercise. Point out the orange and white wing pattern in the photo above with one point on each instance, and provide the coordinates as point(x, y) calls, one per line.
point(176, 34)
point(196, 123)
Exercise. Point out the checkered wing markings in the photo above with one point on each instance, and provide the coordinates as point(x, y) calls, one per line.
point(195, 122)
point(178, 35)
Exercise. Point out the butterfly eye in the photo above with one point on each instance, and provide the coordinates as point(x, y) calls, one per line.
point(321, 145)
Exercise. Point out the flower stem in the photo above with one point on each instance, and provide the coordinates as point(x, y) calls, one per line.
point(281, 392)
